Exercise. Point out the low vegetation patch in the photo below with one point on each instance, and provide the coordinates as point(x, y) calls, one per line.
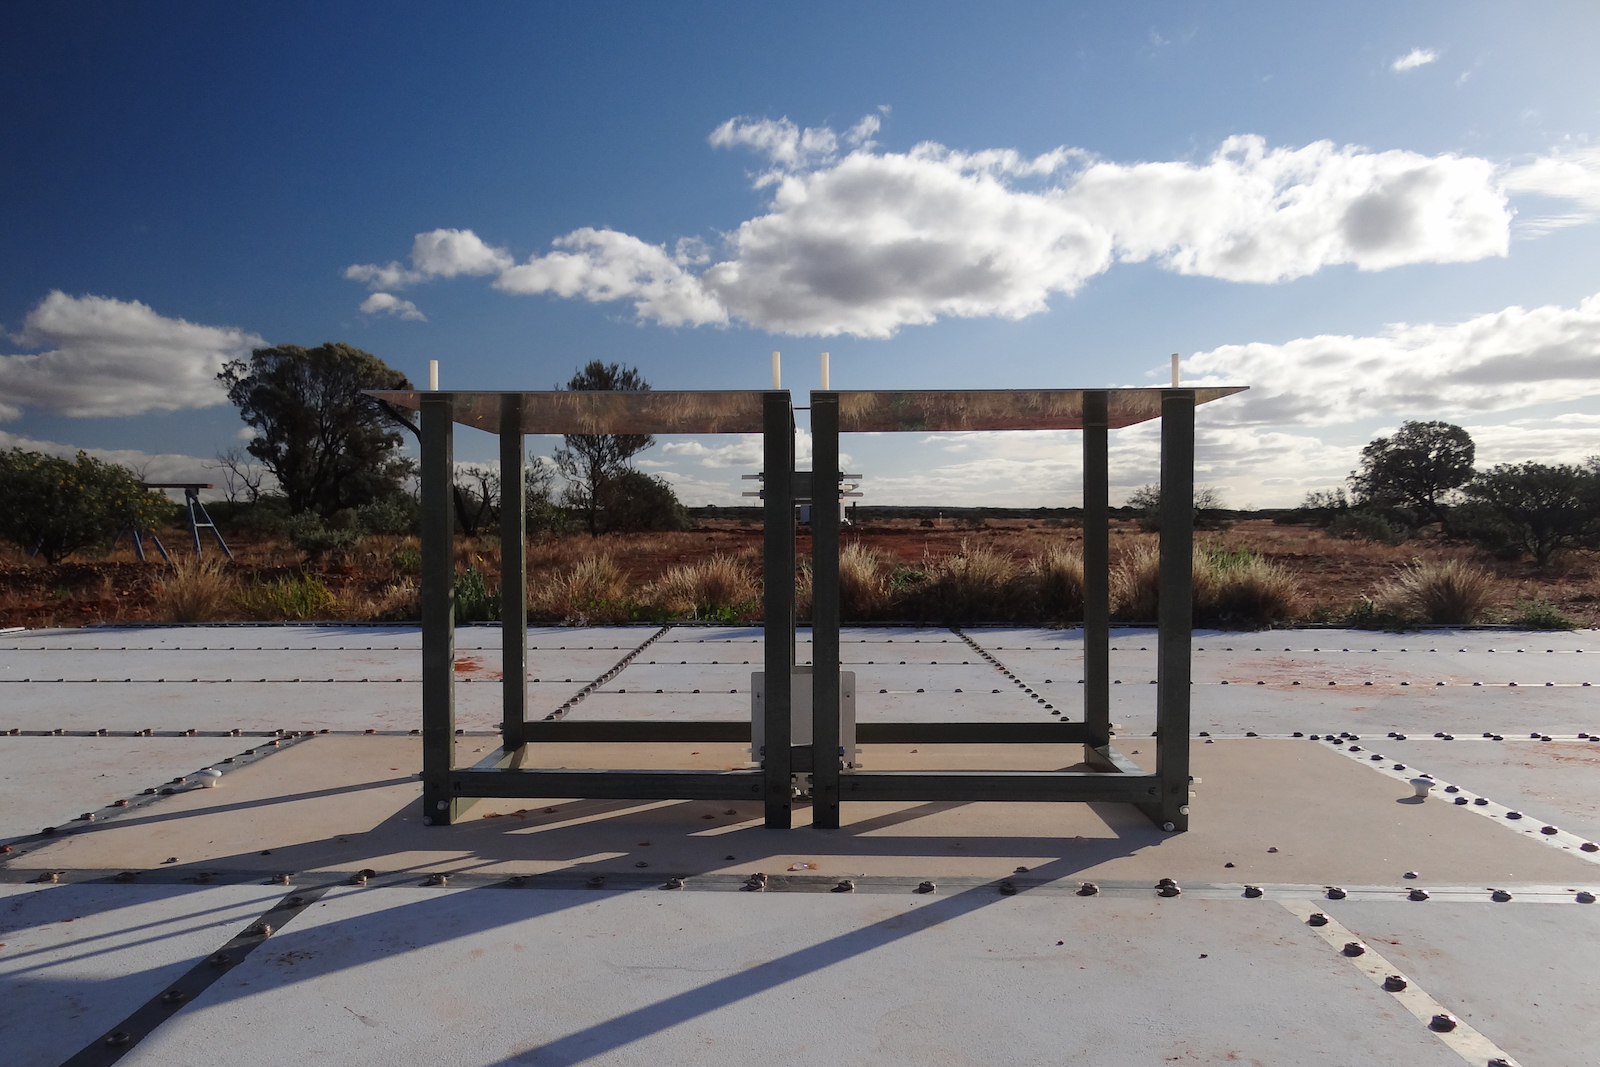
point(1448, 591)
point(299, 599)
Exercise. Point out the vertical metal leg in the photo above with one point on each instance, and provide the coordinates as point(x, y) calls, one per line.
point(1096, 571)
point(1176, 608)
point(778, 565)
point(191, 497)
point(513, 575)
point(825, 752)
point(439, 807)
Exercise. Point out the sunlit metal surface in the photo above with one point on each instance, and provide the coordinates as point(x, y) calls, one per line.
point(887, 411)
point(655, 411)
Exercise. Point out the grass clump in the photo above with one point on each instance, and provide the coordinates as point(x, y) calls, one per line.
point(720, 589)
point(1448, 591)
point(591, 592)
point(975, 583)
point(1540, 614)
point(1057, 578)
point(289, 599)
point(1240, 587)
point(864, 582)
point(1232, 587)
point(199, 590)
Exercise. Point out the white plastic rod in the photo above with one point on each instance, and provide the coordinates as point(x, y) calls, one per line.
point(824, 372)
point(1174, 370)
point(777, 375)
point(433, 375)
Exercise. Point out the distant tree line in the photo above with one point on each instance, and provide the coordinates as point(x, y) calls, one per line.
point(1425, 475)
point(324, 466)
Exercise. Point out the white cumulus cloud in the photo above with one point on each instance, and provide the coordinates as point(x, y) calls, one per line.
point(114, 357)
point(604, 265)
point(870, 241)
point(389, 304)
point(435, 254)
point(1494, 362)
point(1417, 57)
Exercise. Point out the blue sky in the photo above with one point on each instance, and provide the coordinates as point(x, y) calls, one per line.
point(1042, 195)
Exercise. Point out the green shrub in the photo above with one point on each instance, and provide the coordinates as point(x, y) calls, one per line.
point(1536, 508)
point(407, 559)
point(1360, 524)
point(57, 507)
point(1540, 614)
point(311, 535)
point(474, 601)
point(631, 500)
point(396, 515)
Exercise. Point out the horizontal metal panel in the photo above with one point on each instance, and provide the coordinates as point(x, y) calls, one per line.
point(561, 411)
point(887, 411)
point(971, 733)
point(635, 730)
point(1017, 786)
point(609, 785)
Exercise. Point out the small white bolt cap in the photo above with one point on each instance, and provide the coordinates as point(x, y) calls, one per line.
point(208, 778)
point(1422, 786)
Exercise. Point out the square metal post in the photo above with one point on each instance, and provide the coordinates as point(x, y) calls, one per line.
point(825, 476)
point(513, 575)
point(1096, 570)
point(1176, 610)
point(439, 806)
point(778, 579)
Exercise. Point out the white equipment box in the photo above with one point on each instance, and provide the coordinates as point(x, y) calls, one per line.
point(800, 713)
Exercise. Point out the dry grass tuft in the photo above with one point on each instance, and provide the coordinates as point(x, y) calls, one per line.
point(863, 582)
point(1057, 577)
point(1233, 587)
point(1448, 591)
point(1244, 589)
point(398, 601)
point(592, 592)
point(199, 590)
point(974, 583)
point(721, 587)
point(1135, 582)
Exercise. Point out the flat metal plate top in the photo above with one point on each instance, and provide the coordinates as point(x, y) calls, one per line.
point(654, 411)
point(1000, 409)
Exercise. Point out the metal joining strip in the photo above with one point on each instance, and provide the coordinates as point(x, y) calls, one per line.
point(615, 670)
point(1003, 669)
point(574, 876)
point(111, 1046)
point(1564, 840)
point(1464, 1040)
point(144, 799)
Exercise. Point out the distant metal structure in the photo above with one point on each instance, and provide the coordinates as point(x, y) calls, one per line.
point(1162, 795)
point(199, 518)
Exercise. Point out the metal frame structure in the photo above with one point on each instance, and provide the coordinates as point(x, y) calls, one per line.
point(191, 500)
point(448, 790)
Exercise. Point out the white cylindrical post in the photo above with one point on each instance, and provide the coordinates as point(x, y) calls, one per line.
point(824, 372)
point(433, 375)
point(777, 376)
point(1174, 370)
